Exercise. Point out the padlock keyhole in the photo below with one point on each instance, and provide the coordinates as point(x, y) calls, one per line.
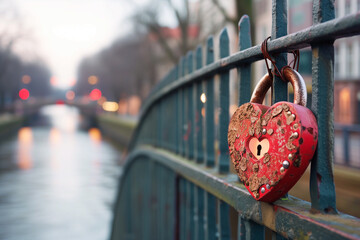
point(259, 150)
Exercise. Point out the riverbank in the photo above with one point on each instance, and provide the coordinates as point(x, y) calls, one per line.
point(117, 128)
point(9, 123)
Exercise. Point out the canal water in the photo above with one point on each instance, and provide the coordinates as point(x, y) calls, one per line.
point(57, 181)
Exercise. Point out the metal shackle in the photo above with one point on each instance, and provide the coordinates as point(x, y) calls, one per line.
point(290, 75)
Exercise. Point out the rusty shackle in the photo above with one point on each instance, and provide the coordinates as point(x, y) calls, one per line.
point(289, 74)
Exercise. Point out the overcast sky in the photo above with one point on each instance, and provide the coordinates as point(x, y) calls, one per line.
point(64, 31)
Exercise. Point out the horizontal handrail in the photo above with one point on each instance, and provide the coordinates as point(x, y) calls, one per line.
point(279, 216)
point(327, 31)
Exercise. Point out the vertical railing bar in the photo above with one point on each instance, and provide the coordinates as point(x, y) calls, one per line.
point(162, 108)
point(164, 128)
point(172, 108)
point(198, 115)
point(196, 213)
point(177, 128)
point(209, 108)
point(244, 71)
point(171, 180)
point(189, 212)
point(241, 234)
point(167, 198)
point(224, 220)
point(177, 208)
point(210, 217)
point(153, 199)
point(183, 109)
point(160, 188)
point(137, 193)
point(224, 106)
point(145, 202)
point(201, 213)
point(322, 189)
point(182, 233)
point(249, 230)
point(190, 116)
point(192, 211)
point(171, 132)
point(279, 29)
point(159, 106)
point(129, 210)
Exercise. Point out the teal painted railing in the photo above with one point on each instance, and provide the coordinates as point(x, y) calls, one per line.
point(176, 182)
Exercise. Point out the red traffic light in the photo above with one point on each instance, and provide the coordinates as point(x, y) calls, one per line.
point(95, 94)
point(24, 94)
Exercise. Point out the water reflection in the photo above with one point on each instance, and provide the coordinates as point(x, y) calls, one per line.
point(69, 184)
point(25, 141)
point(95, 135)
point(62, 117)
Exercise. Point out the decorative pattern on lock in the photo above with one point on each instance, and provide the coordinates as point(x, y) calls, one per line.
point(271, 147)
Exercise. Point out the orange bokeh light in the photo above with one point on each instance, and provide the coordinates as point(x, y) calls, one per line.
point(93, 80)
point(25, 139)
point(70, 95)
point(26, 79)
point(95, 135)
point(24, 94)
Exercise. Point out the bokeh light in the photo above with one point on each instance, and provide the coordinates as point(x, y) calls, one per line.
point(203, 98)
point(95, 94)
point(95, 135)
point(70, 95)
point(110, 106)
point(24, 94)
point(93, 80)
point(26, 79)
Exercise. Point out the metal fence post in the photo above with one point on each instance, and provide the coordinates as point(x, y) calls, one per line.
point(209, 108)
point(244, 71)
point(198, 113)
point(224, 106)
point(279, 29)
point(322, 189)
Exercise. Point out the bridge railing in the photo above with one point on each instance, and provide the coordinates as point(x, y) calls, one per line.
point(177, 182)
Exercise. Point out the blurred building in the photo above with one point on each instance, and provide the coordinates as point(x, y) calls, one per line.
point(347, 54)
point(347, 70)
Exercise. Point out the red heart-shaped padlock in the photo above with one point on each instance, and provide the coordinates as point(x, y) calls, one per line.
point(271, 147)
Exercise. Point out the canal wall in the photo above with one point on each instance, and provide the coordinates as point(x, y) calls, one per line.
point(9, 123)
point(117, 128)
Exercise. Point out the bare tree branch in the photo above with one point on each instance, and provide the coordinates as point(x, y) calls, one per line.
point(223, 11)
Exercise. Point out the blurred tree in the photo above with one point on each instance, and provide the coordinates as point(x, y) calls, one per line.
point(242, 7)
point(174, 42)
point(189, 15)
point(132, 65)
point(123, 69)
point(40, 75)
point(12, 66)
